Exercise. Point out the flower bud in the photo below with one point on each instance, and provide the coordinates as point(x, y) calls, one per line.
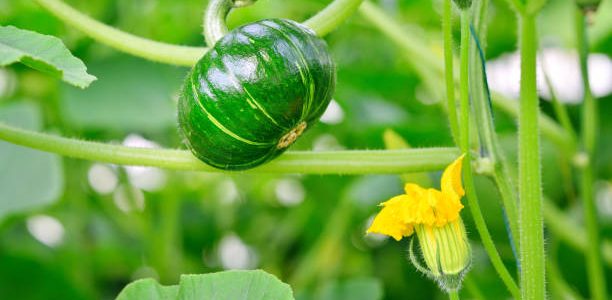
point(446, 252)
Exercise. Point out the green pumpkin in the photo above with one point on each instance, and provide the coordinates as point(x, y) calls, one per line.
point(254, 93)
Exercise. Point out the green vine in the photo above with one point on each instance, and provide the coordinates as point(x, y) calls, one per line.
point(214, 18)
point(464, 129)
point(322, 23)
point(332, 16)
point(590, 122)
point(415, 48)
point(503, 174)
point(451, 105)
point(123, 41)
point(530, 186)
point(305, 162)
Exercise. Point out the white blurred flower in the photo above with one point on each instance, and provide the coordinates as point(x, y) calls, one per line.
point(235, 254)
point(604, 200)
point(102, 178)
point(147, 178)
point(333, 114)
point(563, 69)
point(47, 230)
point(129, 198)
point(289, 192)
point(326, 142)
point(227, 191)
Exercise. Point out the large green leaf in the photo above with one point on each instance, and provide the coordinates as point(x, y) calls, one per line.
point(230, 285)
point(29, 179)
point(42, 52)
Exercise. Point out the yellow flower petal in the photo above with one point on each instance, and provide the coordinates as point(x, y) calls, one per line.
point(429, 207)
point(414, 190)
point(389, 219)
point(419, 205)
point(451, 179)
point(447, 208)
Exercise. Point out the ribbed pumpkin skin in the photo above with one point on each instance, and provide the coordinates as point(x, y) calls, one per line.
point(257, 84)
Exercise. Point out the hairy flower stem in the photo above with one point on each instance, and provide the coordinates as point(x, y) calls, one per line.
point(590, 120)
point(530, 188)
point(470, 189)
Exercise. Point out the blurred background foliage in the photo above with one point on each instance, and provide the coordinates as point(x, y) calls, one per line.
point(72, 229)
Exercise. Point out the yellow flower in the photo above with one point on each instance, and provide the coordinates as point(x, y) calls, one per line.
point(434, 215)
point(429, 207)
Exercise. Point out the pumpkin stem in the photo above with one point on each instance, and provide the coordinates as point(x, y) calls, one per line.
point(214, 18)
point(291, 136)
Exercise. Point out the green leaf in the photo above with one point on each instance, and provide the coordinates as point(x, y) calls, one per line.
point(148, 289)
point(247, 285)
point(42, 52)
point(31, 179)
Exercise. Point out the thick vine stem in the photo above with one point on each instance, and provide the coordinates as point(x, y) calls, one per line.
point(304, 162)
point(530, 182)
point(123, 41)
point(332, 16)
point(322, 23)
point(215, 15)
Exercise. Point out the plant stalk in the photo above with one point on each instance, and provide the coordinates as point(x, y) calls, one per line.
point(424, 58)
point(481, 100)
point(322, 23)
point(530, 188)
point(332, 16)
point(214, 18)
point(590, 122)
point(464, 126)
point(305, 162)
point(123, 41)
point(448, 69)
